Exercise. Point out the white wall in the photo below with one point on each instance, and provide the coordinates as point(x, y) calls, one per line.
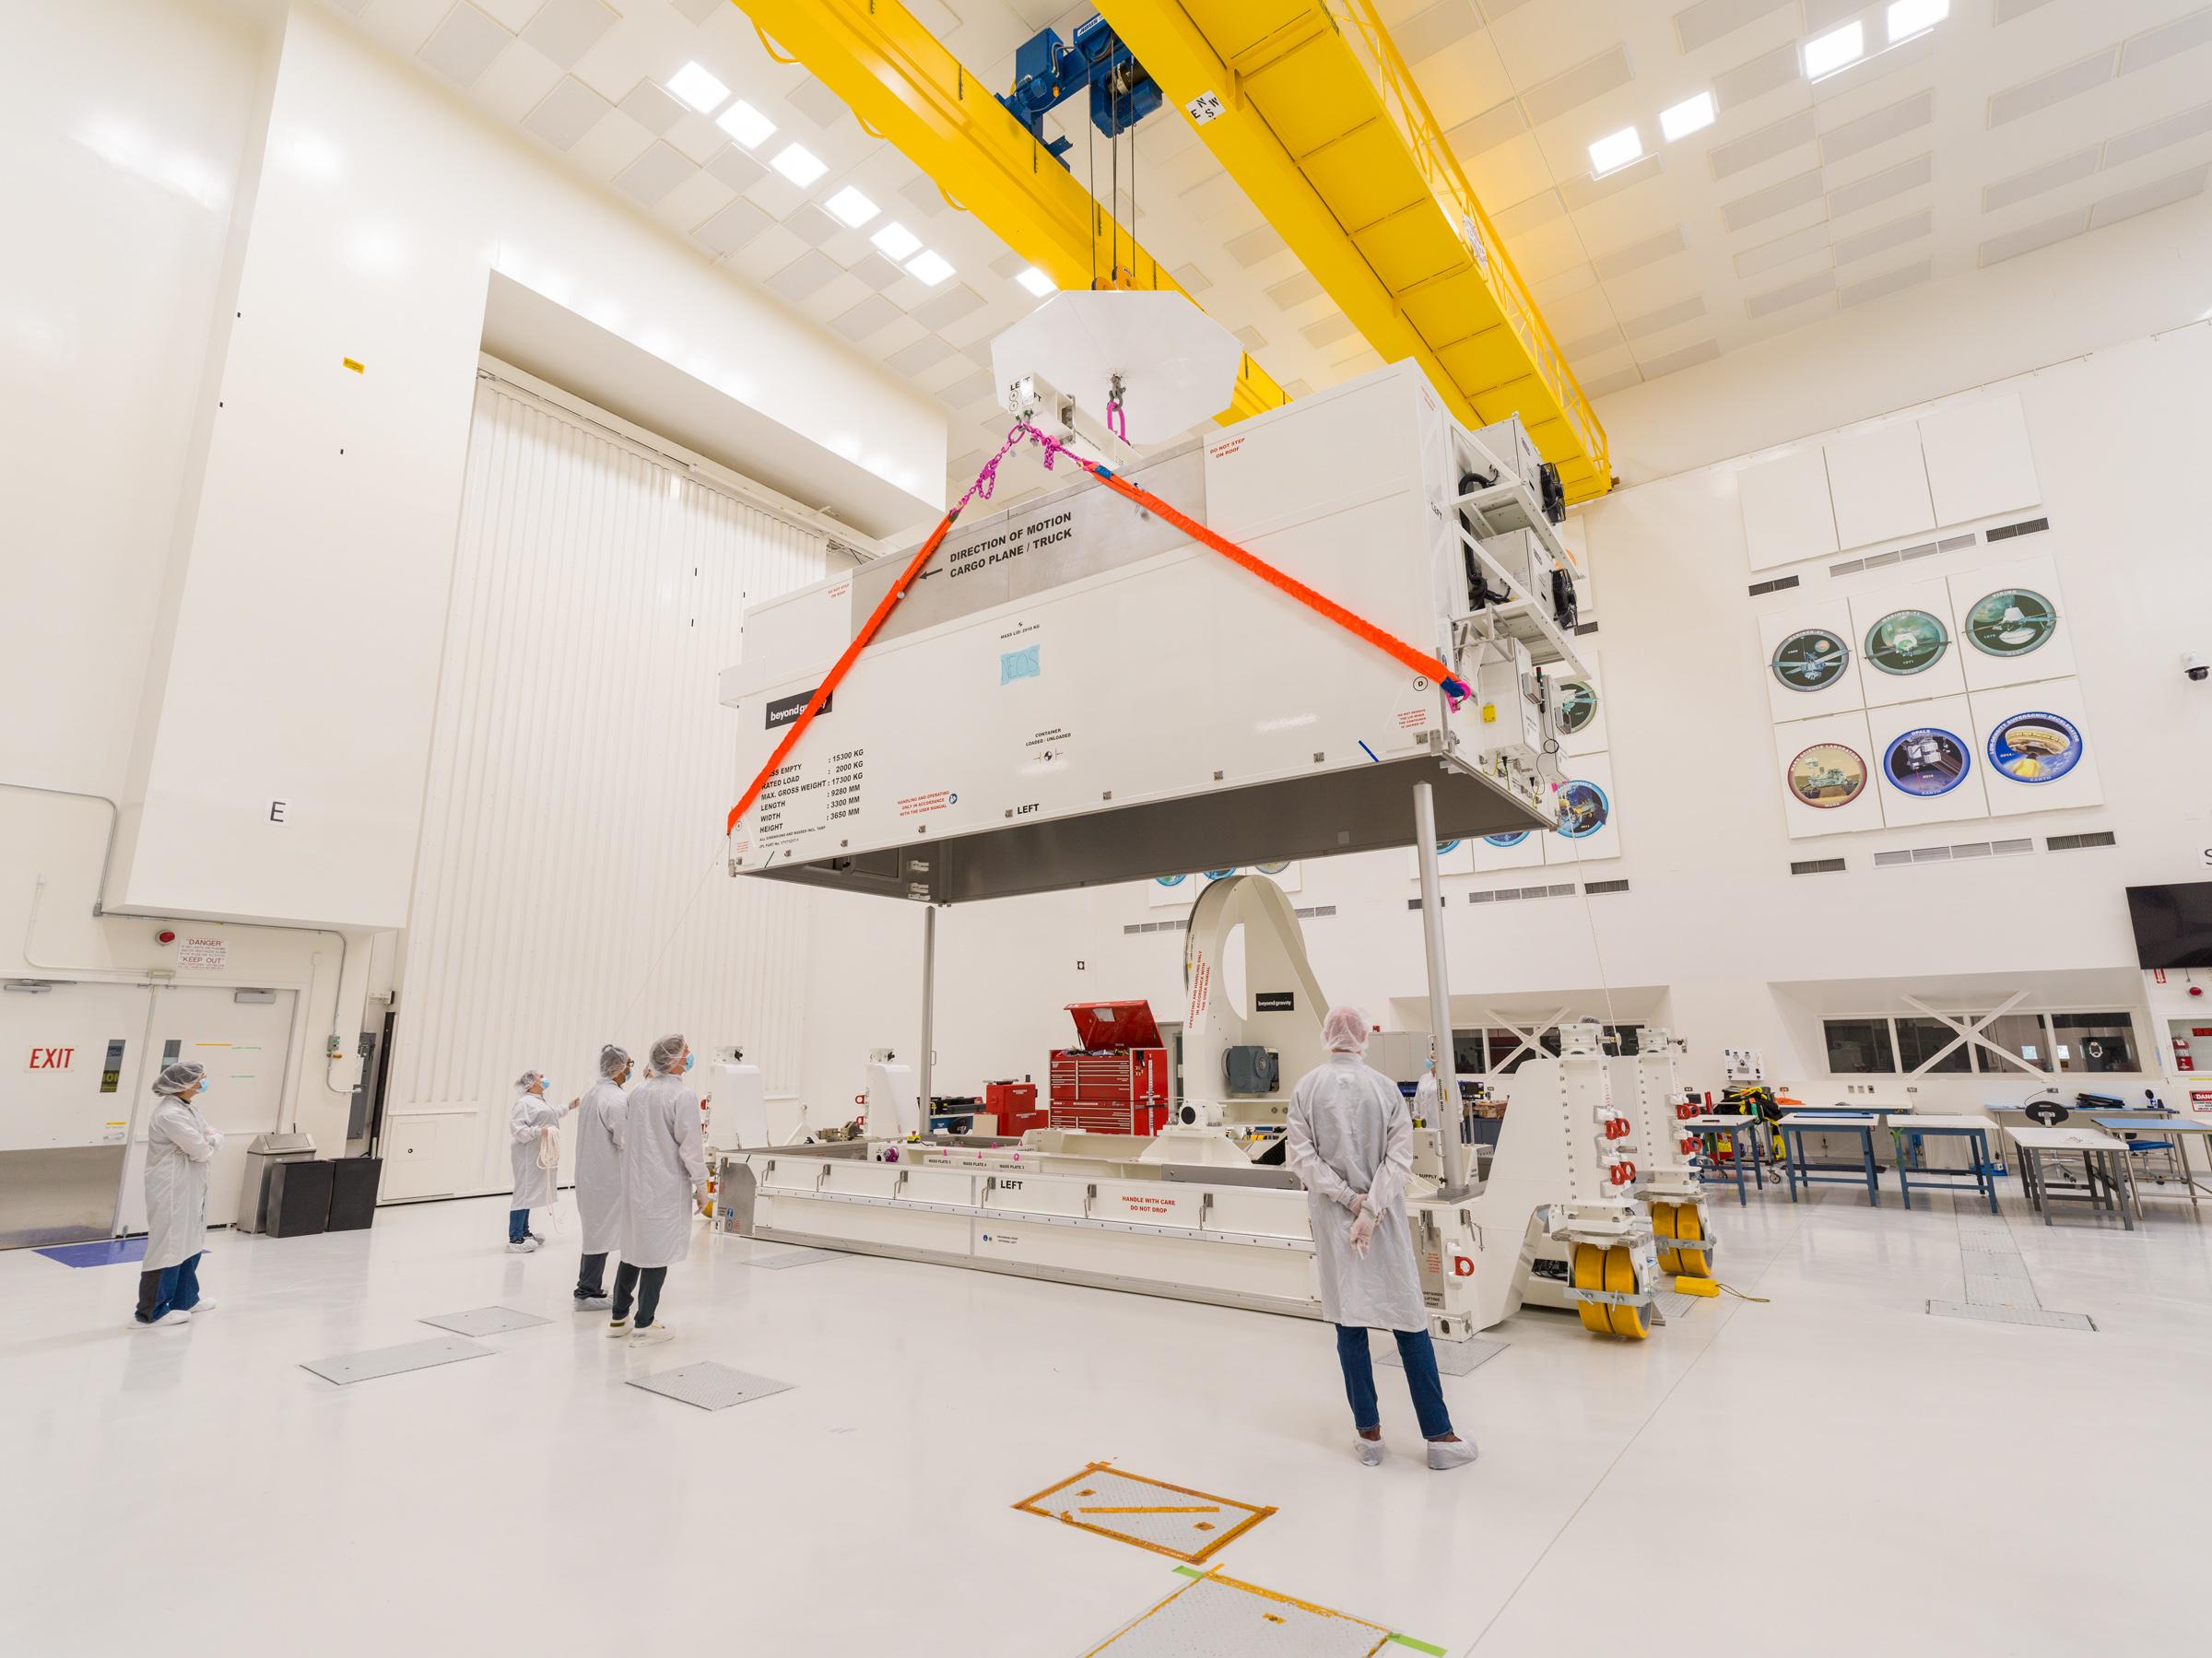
point(1715, 936)
point(304, 593)
point(322, 527)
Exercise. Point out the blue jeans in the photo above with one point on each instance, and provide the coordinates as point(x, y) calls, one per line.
point(518, 1225)
point(1417, 1354)
point(169, 1289)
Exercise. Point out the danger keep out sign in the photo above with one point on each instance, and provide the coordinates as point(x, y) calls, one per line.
point(52, 1059)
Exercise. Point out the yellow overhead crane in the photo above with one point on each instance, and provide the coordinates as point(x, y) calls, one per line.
point(1327, 135)
point(1321, 121)
point(900, 81)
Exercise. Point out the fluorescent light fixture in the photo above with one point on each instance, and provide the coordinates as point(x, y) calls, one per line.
point(1692, 114)
point(1036, 281)
point(1909, 17)
point(698, 87)
point(851, 207)
point(896, 241)
point(931, 266)
point(1824, 54)
point(799, 164)
point(745, 123)
point(1615, 150)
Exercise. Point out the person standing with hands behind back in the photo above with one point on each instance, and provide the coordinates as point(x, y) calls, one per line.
point(599, 1175)
point(1351, 1144)
point(178, 1146)
point(664, 1181)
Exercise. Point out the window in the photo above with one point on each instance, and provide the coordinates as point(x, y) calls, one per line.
point(2093, 1042)
point(2019, 1034)
point(1919, 1041)
point(1468, 1058)
point(1503, 1042)
point(1858, 1047)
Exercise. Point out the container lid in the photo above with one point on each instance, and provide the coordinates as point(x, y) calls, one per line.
point(1115, 1025)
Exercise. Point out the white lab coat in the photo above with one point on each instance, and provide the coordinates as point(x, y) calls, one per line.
point(533, 1184)
point(178, 1146)
point(663, 1171)
point(599, 1166)
point(1350, 1134)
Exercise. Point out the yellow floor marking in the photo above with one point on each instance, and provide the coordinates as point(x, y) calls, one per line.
point(1251, 1513)
point(1214, 1509)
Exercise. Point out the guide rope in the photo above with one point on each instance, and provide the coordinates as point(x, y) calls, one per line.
point(987, 480)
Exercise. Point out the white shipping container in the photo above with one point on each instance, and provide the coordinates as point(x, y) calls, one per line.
point(1074, 692)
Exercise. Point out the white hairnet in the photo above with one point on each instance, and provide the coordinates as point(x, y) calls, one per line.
point(1345, 1030)
point(522, 1083)
point(666, 1053)
point(611, 1061)
point(176, 1078)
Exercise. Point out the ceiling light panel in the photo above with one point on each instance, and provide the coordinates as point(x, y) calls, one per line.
point(929, 266)
point(1036, 281)
point(896, 241)
point(851, 207)
point(697, 87)
point(1838, 48)
point(1692, 115)
point(1615, 150)
point(747, 125)
point(1907, 18)
point(799, 164)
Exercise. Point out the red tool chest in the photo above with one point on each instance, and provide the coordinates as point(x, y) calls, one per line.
point(1115, 1080)
point(1015, 1106)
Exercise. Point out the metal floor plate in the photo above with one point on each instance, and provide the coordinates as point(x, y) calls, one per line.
point(348, 1368)
point(1168, 1520)
point(1673, 1304)
point(1214, 1617)
point(709, 1385)
point(2034, 1316)
point(1453, 1358)
point(484, 1321)
point(795, 1257)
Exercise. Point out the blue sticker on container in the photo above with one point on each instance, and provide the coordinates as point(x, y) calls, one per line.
point(1019, 665)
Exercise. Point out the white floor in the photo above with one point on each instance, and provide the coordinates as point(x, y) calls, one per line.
point(1833, 1472)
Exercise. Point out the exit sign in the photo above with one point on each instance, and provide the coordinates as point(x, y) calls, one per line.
point(51, 1059)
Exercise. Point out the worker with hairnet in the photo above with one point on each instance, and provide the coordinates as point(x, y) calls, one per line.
point(178, 1146)
point(533, 1121)
point(599, 1175)
point(664, 1181)
point(1351, 1144)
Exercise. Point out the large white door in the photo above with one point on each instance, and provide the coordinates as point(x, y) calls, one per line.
point(246, 1047)
point(71, 1058)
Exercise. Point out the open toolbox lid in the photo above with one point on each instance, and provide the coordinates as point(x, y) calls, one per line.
point(1114, 1025)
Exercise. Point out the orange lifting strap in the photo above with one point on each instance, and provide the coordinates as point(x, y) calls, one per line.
point(1382, 639)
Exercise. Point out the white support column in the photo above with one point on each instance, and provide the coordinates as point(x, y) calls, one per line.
point(1451, 1152)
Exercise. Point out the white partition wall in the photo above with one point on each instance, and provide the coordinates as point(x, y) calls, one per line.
point(568, 889)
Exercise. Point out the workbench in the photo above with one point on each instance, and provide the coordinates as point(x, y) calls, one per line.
point(1733, 1126)
point(1907, 1132)
point(1800, 1168)
point(2108, 1179)
point(2132, 1126)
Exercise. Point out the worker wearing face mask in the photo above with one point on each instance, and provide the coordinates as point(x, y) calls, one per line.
point(1351, 1144)
point(599, 1175)
point(178, 1146)
point(530, 1120)
point(663, 1182)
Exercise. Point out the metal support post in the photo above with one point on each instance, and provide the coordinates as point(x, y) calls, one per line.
point(1452, 1152)
point(929, 1004)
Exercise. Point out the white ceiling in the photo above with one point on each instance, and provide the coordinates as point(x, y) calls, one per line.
point(2010, 125)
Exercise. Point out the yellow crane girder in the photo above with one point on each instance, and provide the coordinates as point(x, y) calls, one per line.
point(1321, 122)
point(899, 80)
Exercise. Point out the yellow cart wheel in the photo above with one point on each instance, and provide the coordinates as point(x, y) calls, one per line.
point(1620, 1279)
point(1689, 1225)
point(1665, 1226)
point(1590, 1274)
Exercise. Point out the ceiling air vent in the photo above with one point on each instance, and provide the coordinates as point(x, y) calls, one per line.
point(1586, 628)
point(1931, 854)
point(2011, 848)
point(1595, 888)
point(1951, 544)
point(1973, 849)
point(1309, 913)
point(2070, 842)
point(1845, 567)
point(1482, 898)
point(1883, 860)
point(1779, 585)
point(2027, 526)
point(1815, 865)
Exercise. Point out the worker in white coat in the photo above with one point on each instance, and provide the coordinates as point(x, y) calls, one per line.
point(533, 1125)
point(1351, 1144)
point(664, 1183)
point(178, 1146)
point(599, 1175)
